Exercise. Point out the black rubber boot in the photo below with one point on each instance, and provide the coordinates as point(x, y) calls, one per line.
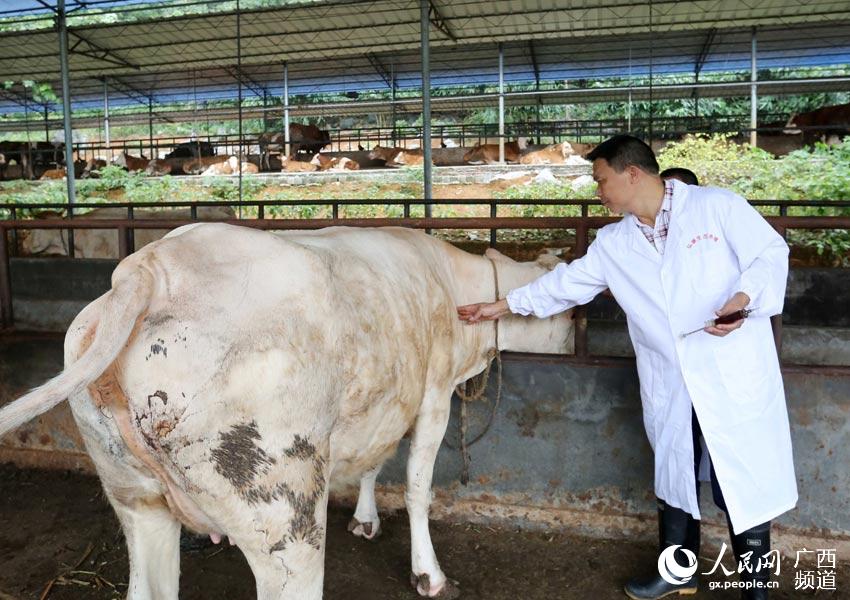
point(757, 541)
point(675, 528)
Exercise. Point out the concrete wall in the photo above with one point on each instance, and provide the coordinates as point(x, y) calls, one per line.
point(49, 292)
point(566, 449)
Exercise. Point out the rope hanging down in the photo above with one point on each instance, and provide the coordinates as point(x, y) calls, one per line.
point(475, 390)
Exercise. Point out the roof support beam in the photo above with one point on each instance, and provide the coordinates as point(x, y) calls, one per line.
point(84, 47)
point(754, 91)
point(21, 100)
point(131, 92)
point(425, 58)
point(145, 99)
point(700, 63)
point(381, 70)
point(536, 68)
point(439, 22)
point(62, 29)
point(256, 87)
point(534, 64)
point(703, 53)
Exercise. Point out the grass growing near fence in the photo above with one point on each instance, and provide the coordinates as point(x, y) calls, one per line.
point(819, 173)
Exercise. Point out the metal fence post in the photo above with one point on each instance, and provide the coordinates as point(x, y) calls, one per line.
point(6, 318)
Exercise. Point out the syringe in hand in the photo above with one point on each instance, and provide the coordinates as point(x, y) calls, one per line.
point(723, 320)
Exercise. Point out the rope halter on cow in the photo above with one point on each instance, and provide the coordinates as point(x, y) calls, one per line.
point(475, 390)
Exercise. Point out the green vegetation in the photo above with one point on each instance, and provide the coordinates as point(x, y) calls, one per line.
point(819, 174)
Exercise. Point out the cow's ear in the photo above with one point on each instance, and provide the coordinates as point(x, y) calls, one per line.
point(547, 261)
point(494, 254)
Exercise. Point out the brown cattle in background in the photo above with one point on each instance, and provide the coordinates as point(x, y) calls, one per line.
point(131, 163)
point(334, 163)
point(409, 158)
point(385, 154)
point(196, 166)
point(827, 124)
point(292, 165)
point(160, 166)
point(489, 153)
point(307, 138)
point(554, 154)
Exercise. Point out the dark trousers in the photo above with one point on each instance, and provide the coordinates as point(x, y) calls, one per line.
point(716, 492)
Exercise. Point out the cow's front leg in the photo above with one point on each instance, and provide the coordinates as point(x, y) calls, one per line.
point(366, 523)
point(427, 577)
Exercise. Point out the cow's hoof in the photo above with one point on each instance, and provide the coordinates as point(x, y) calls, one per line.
point(366, 530)
point(422, 584)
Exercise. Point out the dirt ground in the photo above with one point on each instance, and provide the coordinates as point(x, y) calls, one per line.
point(57, 527)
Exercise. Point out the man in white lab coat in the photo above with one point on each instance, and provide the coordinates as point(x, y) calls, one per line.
point(681, 255)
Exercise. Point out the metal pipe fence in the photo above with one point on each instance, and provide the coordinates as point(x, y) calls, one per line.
point(464, 134)
point(583, 225)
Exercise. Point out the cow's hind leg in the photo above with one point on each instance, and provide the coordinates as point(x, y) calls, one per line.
point(431, 422)
point(286, 554)
point(153, 543)
point(150, 530)
point(279, 523)
point(366, 523)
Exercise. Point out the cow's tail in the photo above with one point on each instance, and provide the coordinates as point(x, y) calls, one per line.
point(127, 300)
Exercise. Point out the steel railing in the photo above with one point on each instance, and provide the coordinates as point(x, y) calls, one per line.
point(583, 225)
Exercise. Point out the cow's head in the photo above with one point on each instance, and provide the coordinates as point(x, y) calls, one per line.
point(474, 155)
point(410, 159)
point(522, 142)
point(553, 335)
point(566, 149)
point(322, 161)
point(378, 153)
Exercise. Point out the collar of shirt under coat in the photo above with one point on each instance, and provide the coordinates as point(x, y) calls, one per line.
point(657, 234)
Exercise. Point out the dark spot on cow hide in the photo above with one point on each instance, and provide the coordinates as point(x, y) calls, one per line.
point(301, 448)
point(238, 458)
point(158, 348)
point(238, 448)
point(158, 319)
point(158, 394)
point(241, 461)
point(303, 525)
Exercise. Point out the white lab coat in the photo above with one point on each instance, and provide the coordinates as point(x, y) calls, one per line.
point(717, 245)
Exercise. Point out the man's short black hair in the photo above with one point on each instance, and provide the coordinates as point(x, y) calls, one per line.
point(622, 151)
point(682, 174)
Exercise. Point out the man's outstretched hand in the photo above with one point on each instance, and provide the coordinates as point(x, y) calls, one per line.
point(483, 311)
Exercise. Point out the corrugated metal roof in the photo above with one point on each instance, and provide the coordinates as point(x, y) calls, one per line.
point(340, 46)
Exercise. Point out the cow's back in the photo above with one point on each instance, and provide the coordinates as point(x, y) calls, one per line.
point(394, 292)
point(333, 333)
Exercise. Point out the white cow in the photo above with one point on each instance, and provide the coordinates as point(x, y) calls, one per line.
point(103, 243)
point(231, 375)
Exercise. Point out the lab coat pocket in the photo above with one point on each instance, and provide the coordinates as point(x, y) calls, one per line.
point(743, 386)
point(706, 266)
